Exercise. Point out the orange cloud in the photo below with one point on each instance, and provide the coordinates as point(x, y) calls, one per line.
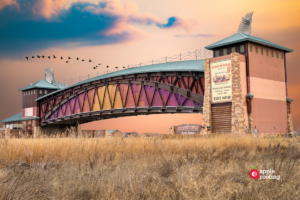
point(48, 8)
point(4, 3)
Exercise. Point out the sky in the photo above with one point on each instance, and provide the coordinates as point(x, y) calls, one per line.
point(125, 32)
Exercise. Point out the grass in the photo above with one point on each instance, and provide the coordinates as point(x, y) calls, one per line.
point(214, 167)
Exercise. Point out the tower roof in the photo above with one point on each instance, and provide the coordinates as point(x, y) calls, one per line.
point(241, 37)
point(44, 84)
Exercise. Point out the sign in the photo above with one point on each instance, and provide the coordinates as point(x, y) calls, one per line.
point(221, 81)
point(28, 112)
point(187, 129)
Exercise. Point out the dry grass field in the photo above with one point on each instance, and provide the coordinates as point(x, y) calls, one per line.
point(214, 167)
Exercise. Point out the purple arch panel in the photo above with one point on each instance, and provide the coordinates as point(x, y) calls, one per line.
point(157, 100)
point(143, 99)
point(172, 100)
point(68, 111)
point(136, 91)
point(188, 102)
point(130, 100)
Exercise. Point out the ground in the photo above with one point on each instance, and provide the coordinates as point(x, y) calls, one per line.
point(211, 167)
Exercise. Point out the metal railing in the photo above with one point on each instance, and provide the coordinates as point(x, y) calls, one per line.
point(195, 55)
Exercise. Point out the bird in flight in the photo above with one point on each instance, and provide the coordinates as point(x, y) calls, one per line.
point(67, 61)
point(26, 58)
point(107, 66)
point(38, 56)
point(32, 57)
point(99, 64)
point(123, 67)
point(82, 60)
point(43, 56)
point(54, 56)
point(61, 58)
point(90, 60)
point(77, 58)
point(69, 57)
point(49, 57)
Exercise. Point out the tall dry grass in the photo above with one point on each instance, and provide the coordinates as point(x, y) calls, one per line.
point(154, 168)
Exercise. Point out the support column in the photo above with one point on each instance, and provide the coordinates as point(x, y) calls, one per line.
point(7, 133)
point(238, 125)
point(249, 98)
point(206, 117)
point(289, 116)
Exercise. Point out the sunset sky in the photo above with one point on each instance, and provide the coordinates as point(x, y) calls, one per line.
point(125, 32)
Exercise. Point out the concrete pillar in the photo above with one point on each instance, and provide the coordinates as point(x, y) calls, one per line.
point(106, 133)
point(7, 133)
point(79, 131)
point(172, 130)
point(37, 133)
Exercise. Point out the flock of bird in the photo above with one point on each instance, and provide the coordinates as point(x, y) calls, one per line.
point(67, 61)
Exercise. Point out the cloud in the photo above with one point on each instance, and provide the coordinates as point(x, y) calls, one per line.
point(29, 25)
point(4, 3)
point(200, 35)
point(174, 22)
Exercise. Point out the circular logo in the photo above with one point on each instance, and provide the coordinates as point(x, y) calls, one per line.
point(254, 174)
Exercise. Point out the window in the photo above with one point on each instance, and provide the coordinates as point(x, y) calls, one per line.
point(267, 52)
point(256, 49)
point(33, 91)
point(224, 52)
point(41, 91)
point(233, 50)
point(282, 56)
point(45, 91)
point(23, 93)
point(262, 51)
point(250, 48)
point(272, 54)
point(277, 55)
point(217, 53)
point(242, 48)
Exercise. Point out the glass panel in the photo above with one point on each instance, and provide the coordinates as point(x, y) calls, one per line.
point(189, 102)
point(224, 52)
point(149, 91)
point(233, 50)
point(33, 91)
point(250, 48)
point(41, 92)
point(272, 54)
point(180, 98)
point(118, 101)
point(130, 101)
point(45, 91)
point(143, 99)
point(77, 107)
point(157, 100)
point(123, 91)
point(267, 52)
point(164, 94)
point(256, 49)
point(96, 105)
point(86, 107)
point(243, 48)
point(136, 91)
point(217, 53)
point(106, 104)
point(172, 100)
point(276, 54)
point(262, 51)
point(281, 56)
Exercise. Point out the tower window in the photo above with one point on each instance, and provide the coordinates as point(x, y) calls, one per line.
point(224, 52)
point(45, 91)
point(233, 50)
point(267, 52)
point(272, 54)
point(262, 51)
point(41, 91)
point(217, 53)
point(250, 48)
point(242, 48)
point(33, 91)
point(276, 54)
point(282, 56)
point(23, 93)
point(256, 49)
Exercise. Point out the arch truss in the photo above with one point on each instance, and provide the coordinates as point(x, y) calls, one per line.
point(176, 92)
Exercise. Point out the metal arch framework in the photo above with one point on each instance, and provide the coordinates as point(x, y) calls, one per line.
point(137, 94)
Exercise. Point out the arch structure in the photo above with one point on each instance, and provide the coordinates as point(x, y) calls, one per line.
point(176, 87)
